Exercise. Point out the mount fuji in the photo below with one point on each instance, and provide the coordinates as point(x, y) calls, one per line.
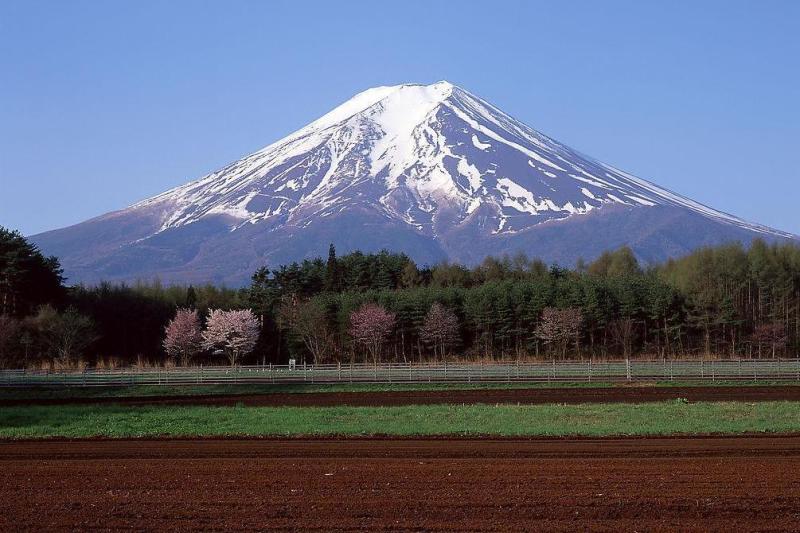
point(429, 170)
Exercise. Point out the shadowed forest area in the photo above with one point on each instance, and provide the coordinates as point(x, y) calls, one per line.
point(727, 301)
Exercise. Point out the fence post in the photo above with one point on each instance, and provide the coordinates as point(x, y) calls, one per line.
point(589, 368)
point(271, 373)
point(628, 368)
point(339, 370)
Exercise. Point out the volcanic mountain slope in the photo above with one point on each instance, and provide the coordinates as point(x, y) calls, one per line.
point(433, 171)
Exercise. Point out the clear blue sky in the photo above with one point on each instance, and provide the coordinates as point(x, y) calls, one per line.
point(104, 103)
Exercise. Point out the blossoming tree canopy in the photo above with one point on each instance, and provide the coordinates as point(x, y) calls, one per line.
point(235, 332)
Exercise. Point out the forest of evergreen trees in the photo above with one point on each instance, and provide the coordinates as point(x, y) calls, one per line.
point(727, 301)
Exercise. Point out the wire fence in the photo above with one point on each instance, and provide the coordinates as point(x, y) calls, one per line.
point(495, 372)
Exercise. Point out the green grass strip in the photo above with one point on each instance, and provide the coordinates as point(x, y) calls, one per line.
point(665, 418)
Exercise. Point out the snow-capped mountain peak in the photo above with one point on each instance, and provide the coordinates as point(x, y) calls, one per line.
point(431, 170)
point(408, 151)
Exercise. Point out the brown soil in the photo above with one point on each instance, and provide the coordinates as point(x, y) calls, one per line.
point(733, 484)
point(489, 396)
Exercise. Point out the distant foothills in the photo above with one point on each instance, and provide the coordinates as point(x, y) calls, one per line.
point(723, 301)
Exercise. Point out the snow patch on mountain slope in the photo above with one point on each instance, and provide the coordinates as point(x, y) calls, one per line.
point(478, 144)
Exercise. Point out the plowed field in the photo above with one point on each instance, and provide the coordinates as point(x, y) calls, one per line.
point(724, 483)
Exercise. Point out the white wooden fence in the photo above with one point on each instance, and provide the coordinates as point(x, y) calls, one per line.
point(540, 371)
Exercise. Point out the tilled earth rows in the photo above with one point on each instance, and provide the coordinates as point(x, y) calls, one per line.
point(731, 483)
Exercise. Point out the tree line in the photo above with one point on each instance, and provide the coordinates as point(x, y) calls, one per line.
point(724, 301)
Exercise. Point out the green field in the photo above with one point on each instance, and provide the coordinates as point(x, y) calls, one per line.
point(665, 418)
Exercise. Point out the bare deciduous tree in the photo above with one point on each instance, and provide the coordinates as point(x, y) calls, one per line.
point(235, 332)
point(370, 326)
point(307, 320)
point(440, 329)
point(65, 335)
point(622, 331)
point(10, 333)
point(182, 336)
point(773, 335)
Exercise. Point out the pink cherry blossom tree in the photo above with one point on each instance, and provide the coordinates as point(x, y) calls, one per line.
point(235, 332)
point(370, 326)
point(182, 336)
point(559, 326)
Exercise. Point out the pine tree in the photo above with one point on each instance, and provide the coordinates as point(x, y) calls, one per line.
point(191, 298)
point(332, 271)
point(28, 279)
